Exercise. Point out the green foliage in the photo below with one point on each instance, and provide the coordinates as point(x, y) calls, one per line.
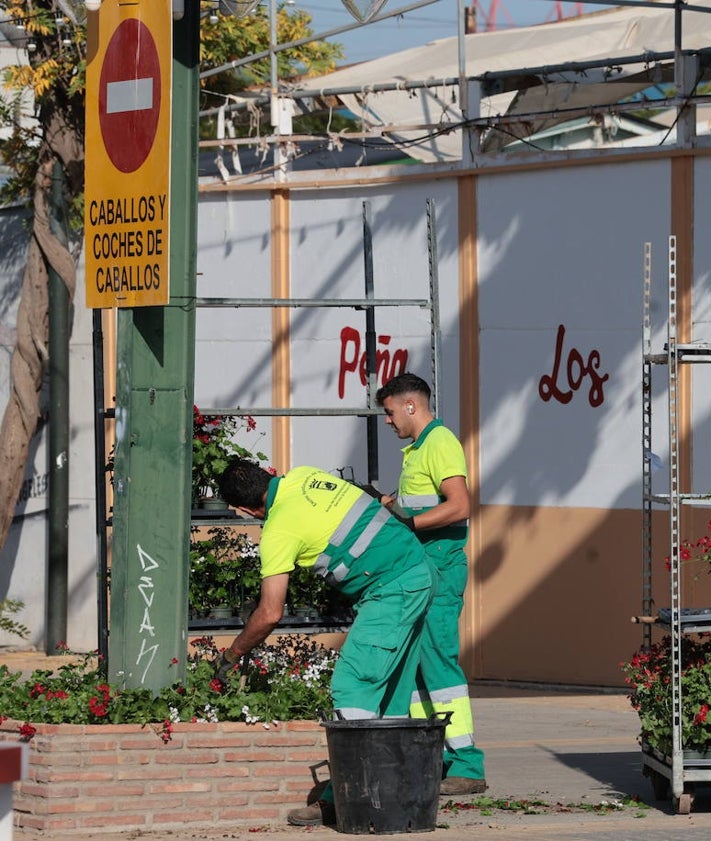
point(649, 675)
point(224, 569)
point(7, 623)
point(306, 589)
point(285, 681)
point(489, 805)
point(50, 121)
point(214, 445)
point(229, 38)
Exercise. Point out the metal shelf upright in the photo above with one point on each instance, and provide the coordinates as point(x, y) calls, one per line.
point(682, 769)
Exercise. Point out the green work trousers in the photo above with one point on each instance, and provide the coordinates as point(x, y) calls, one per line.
point(441, 683)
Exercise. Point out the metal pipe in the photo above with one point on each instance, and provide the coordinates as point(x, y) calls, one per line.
point(544, 70)
point(370, 353)
point(319, 36)
point(100, 414)
point(355, 303)
point(58, 525)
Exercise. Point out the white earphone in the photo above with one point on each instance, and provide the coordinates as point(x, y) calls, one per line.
point(410, 410)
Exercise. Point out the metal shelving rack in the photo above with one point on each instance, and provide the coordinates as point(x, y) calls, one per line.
point(368, 304)
point(680, 770)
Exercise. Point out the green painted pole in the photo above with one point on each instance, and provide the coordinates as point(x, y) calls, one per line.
point(154, 400)
point(58, 549)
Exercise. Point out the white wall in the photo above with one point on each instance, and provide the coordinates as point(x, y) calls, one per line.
point(565, 247)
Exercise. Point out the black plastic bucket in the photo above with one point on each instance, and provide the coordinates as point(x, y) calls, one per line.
point(386, 773)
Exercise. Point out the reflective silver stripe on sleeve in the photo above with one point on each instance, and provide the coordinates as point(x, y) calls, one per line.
point(351, 518)
point(369, 533)
point(414, 501)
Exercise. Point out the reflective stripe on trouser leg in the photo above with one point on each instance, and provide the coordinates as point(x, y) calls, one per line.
point(441, 683)
point(462, 758)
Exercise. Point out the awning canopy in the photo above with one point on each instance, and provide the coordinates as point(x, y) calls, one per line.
point(531, 78)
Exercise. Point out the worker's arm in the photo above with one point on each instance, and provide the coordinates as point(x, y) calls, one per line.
point(453, 509)
point(264, 619)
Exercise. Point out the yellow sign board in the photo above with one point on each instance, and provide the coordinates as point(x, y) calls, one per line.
point(127, 175)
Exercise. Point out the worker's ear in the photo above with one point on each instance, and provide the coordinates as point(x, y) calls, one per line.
point(257, 513)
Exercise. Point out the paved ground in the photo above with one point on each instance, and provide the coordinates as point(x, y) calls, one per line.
point(572, 756)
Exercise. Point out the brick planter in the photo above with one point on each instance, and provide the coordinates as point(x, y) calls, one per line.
point(89, 777)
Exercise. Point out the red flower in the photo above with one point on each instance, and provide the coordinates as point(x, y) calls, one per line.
point(96, 707)
point(27, 731)
point(60, 694)
point(701, 715)
point(166, 731)
point(216, 685)
point(173, 661)
point(37, 690)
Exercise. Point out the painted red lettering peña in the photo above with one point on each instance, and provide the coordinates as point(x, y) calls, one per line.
point(353, 361)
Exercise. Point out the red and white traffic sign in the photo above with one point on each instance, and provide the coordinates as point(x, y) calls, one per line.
point(130, 95)
point(127, 171)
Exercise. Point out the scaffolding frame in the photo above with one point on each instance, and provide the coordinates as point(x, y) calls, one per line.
point(680, 770)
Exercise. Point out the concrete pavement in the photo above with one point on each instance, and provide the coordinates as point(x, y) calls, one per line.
point(561, 764)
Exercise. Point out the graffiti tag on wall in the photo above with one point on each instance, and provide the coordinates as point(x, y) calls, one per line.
point(146, 631)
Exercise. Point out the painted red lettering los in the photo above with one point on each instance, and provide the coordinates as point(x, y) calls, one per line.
point(576, 370)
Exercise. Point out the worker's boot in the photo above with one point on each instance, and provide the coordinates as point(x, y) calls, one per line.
point(461, 785)
point(320, 813)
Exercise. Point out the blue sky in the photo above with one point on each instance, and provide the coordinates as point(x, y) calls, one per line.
point(437, 20)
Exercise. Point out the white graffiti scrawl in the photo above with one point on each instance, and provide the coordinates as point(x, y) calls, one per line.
point(147, 591)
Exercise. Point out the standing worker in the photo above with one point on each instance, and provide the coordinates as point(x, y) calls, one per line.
point(433, 500)
point(316, 520)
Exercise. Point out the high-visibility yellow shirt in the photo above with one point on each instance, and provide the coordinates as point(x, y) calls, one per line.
point(304, 508)
point(436, 455)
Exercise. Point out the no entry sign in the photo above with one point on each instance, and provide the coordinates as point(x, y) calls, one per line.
point(128, 154)
point(130, 95)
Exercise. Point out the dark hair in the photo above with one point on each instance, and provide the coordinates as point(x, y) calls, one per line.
point(402, 384)
point(243, 483)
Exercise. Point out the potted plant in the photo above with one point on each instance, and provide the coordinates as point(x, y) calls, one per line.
point(224, 571)
point(310, 597)
point(214, 445)
point(649, 674)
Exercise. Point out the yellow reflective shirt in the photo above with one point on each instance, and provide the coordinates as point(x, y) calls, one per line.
point(436, 455)
point(304, 508)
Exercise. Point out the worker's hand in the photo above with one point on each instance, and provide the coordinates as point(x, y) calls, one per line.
point(387, 500)
point(223, 665)
point(371, 491)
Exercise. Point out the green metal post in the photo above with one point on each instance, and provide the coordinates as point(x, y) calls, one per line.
point(58, 550)
point(154, 399)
